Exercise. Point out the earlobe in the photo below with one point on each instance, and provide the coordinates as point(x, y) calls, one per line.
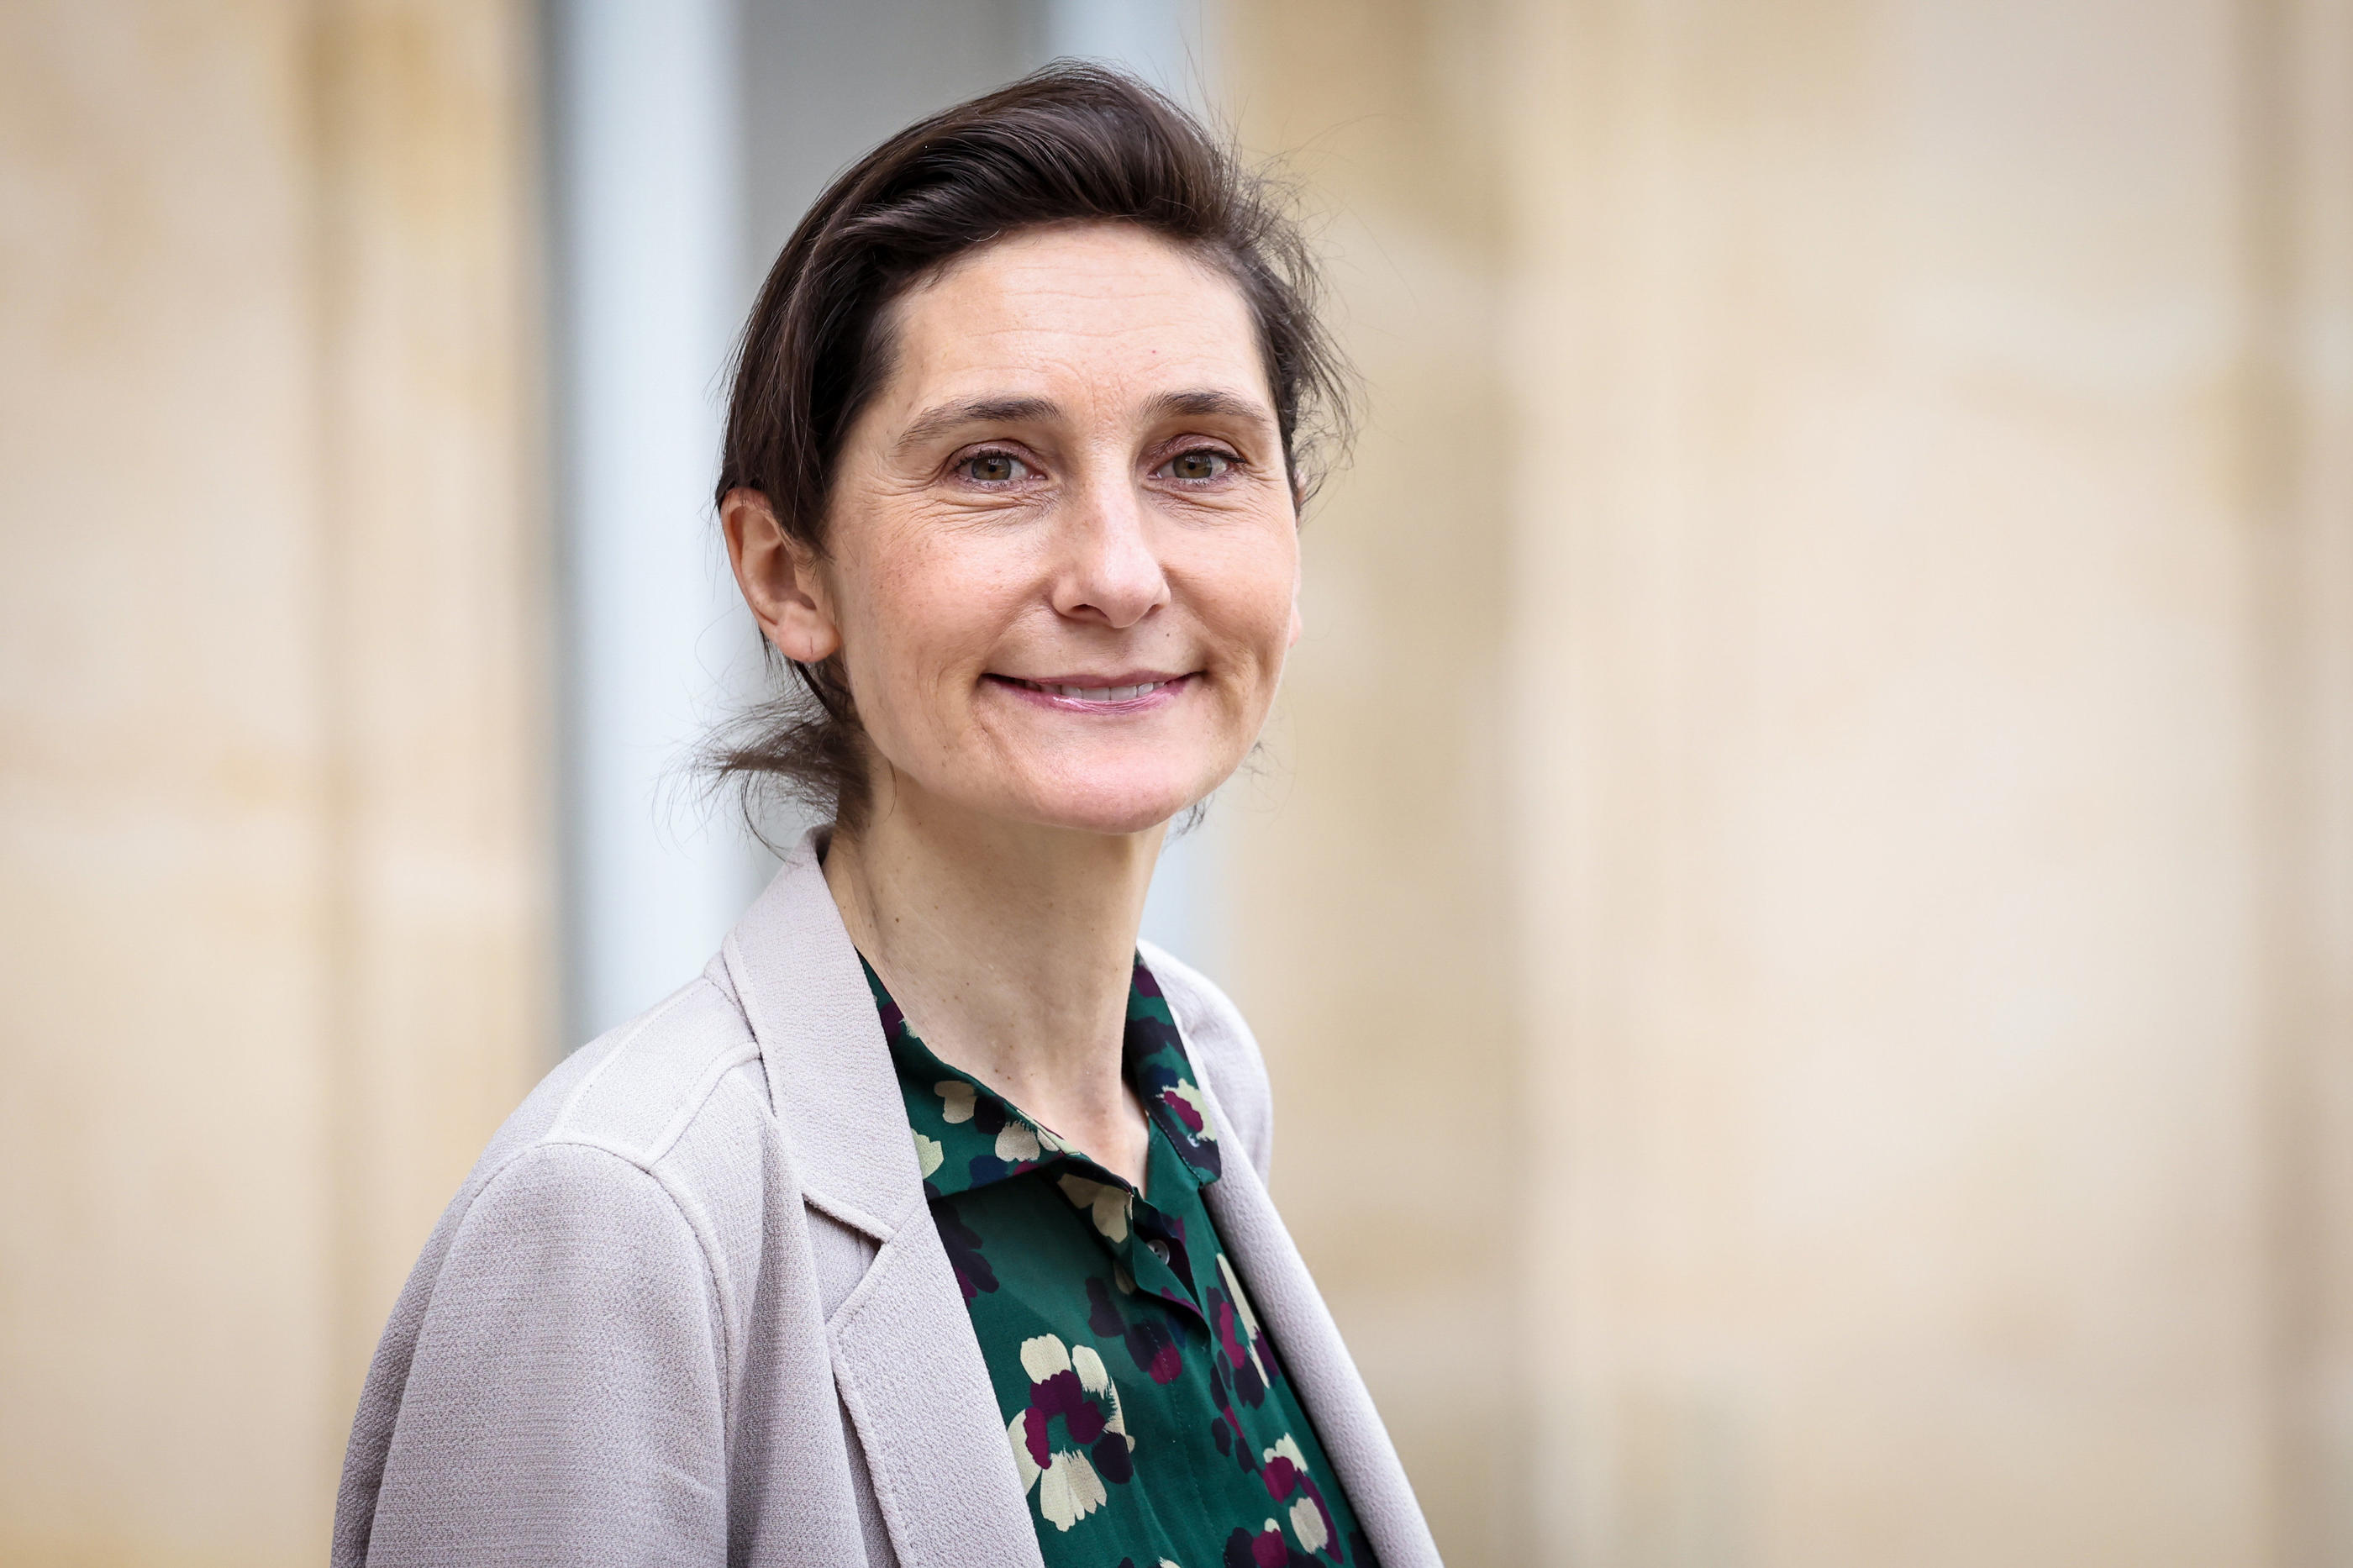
point(779, 577)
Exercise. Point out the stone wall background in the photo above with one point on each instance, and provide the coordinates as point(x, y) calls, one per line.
point(275, 880)
point(1800, 901)
point(1803, 909)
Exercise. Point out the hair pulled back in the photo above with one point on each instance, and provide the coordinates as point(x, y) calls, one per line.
point(1072, 143)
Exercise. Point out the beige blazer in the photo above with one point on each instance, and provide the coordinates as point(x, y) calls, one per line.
point(691, 1308)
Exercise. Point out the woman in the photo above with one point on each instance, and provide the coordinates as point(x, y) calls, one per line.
point(928, 1227)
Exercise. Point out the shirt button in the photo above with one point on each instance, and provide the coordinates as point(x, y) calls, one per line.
point(1159, 1249)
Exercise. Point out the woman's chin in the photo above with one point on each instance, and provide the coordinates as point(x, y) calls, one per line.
point(1107, 806)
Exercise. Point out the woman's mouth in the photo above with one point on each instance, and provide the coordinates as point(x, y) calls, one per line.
point(1126, 691)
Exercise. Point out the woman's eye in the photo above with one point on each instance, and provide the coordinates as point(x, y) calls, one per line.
point(995, 468)
point(1202, 464)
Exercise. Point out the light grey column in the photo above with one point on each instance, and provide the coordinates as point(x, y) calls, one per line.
point(1166, 42)
point(646, 146)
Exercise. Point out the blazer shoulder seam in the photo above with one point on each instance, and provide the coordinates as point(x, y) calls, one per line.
point(687, 1104)
point(635, 1029)
point(682, 1202)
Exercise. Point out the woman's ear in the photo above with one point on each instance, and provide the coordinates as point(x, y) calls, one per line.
point(778, 576)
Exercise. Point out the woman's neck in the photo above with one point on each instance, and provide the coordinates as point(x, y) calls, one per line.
point(1009, 948)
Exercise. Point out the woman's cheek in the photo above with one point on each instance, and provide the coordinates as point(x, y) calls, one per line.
point(1249, 595)
point(1274, 619)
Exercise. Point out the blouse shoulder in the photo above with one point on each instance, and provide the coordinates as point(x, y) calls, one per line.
point(1224, 1051)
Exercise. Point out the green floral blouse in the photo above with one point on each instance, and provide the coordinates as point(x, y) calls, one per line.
point(1150, 1422)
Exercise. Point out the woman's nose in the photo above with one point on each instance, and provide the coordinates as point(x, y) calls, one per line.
point(1110, 572)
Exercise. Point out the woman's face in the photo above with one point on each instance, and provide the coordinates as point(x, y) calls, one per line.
point(1062, 558)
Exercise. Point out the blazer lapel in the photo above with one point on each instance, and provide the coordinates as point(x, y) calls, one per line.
point(1308, 1345)
point(904, 1359)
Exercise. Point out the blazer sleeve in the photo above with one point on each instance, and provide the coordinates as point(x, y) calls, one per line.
point(560, 1399)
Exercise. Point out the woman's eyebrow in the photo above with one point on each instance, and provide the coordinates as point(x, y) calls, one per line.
point(1207, 400)
point(934, 422)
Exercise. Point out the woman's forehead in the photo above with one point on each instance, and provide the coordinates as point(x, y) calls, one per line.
point(1100, 305)
point(1082, 258)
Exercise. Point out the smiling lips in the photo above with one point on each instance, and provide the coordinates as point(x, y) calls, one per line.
point(1129, 690)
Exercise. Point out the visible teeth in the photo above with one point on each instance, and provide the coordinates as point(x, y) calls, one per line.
point(1106, 693)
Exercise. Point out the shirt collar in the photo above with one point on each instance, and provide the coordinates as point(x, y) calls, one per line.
point(968, 1136)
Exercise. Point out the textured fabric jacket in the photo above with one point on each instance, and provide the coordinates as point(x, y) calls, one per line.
point(690, 1307)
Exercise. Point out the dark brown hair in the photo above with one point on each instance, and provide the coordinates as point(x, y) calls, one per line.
point(1073, 142)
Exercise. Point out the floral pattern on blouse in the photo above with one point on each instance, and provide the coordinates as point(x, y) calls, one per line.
point(1149, 1418)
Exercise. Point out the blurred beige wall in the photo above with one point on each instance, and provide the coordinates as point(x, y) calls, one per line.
point(271, 749)
point(1368, 858)
point(1801, 908)
point(1801, 900)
